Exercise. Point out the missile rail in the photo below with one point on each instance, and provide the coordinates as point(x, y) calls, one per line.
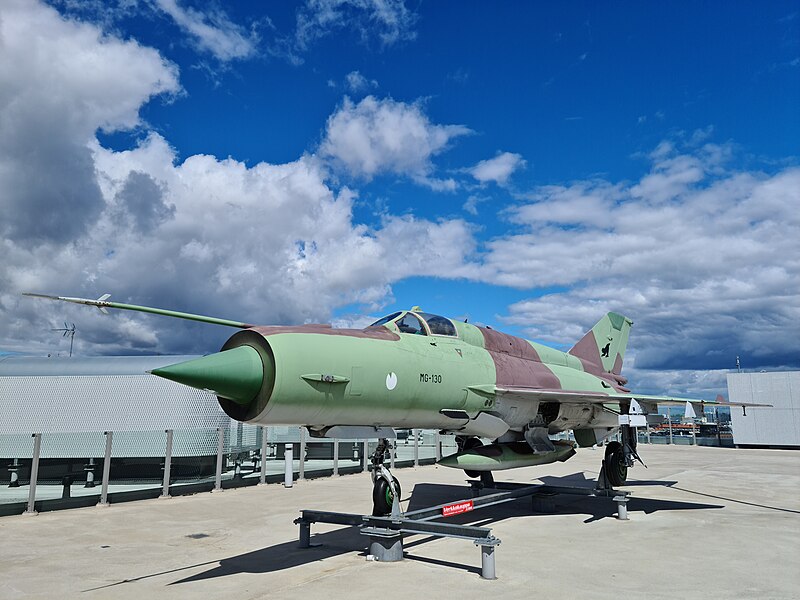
point(386, 532)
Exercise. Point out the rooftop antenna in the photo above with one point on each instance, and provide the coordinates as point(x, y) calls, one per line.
point(69, 330)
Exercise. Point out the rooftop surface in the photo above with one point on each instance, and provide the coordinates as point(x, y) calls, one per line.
point(704, 523)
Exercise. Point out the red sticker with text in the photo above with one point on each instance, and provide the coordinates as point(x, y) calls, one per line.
point(457, 509)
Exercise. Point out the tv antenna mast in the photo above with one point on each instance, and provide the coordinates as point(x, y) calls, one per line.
point(69, 330)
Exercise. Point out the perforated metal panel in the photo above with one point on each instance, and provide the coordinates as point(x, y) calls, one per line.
point(777, 426)
point(79, 399)
point(104, 402)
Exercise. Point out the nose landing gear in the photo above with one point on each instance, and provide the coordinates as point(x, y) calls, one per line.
point(385, 486)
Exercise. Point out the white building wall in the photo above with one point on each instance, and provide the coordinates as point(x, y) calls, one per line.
point(71, 402)
point(776, 426)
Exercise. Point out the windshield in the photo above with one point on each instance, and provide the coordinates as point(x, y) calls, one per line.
point(385, 319)
point(439, 325)
point(410, 323)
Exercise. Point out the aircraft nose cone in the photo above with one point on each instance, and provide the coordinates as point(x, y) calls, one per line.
point(235, 374)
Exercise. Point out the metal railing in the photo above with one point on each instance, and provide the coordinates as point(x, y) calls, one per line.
point(60, 467)
point(190, 461)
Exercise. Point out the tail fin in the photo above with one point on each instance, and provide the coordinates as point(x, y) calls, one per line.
point(604, 346)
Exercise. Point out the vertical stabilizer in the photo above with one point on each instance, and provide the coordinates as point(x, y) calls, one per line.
point(603, 348)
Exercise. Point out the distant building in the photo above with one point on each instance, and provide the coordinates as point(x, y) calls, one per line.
point(72, 401)
point(777, 427)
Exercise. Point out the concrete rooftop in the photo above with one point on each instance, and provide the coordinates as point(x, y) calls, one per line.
point(704, 523)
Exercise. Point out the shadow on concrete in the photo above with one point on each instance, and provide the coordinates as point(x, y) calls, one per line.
point(265, 560)
point(594, 508)
point(766, 506)
point(580, 479)
point(287, 555)
point(349, 539)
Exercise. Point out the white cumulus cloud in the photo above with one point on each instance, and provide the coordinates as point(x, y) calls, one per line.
point(268, 243)
point(497, 169)
point(61, 81)
point(378, 136)
point(705, 264)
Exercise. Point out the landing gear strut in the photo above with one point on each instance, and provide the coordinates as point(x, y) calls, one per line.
point(385, 487)
point(620, 456)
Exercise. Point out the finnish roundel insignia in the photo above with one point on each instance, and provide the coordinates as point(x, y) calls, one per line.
point(391, 381)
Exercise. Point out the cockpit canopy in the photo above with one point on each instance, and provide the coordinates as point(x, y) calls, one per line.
point(419, 323)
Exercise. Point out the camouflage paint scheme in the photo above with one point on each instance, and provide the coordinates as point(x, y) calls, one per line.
point(322, 377)
point(449, 375)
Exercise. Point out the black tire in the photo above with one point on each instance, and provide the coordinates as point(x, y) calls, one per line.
point(614, 462)
point(382, 497)
point(469, 444)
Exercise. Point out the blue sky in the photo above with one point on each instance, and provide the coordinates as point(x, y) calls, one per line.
point(527, 165)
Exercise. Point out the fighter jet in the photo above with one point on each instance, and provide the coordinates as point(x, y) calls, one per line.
point(413, 369)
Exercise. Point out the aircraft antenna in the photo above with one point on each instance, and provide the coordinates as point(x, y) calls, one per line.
point(69, 330)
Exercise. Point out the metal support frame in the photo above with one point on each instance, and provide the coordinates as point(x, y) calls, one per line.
point(392, 452)
point(167, 463)
point(37, 447)
point(415, 433)
point(385, 545)
point(366, 456)
point(218, 473)
point(106, 469)
point(386, 533)
point(488, 570)
point(622, 507)
point(544, 503)
point(305, 533)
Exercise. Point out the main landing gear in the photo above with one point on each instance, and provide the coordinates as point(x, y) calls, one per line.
point(385, 486)
point(620, 456)
point(614, 464)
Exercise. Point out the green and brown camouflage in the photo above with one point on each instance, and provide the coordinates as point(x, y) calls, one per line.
point(412, 369)
point(416, 370)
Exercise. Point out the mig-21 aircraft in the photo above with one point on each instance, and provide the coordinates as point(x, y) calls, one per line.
point(412, 369)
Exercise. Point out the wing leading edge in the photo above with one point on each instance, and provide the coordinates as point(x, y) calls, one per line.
point(581, 397)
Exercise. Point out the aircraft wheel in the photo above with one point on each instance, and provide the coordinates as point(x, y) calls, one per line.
point(614, 462)
point(382, 497)
point(469, 444)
